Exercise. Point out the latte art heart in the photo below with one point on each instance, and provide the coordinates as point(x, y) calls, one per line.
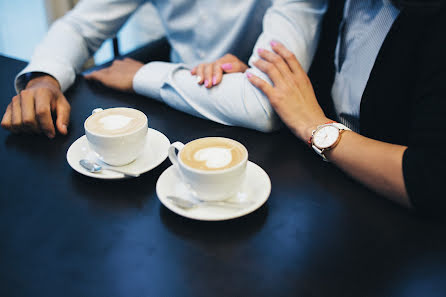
point(214, 157)
point(213, 153)
point(116, 121)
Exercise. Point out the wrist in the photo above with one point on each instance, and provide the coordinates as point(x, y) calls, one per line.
point(42, 78)
point(308, 131)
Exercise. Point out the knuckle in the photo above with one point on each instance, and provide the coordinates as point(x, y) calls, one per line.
point(41, 112)
point(25, 92)
point(288, 55)
point(276, 59)
point(41, 92)
point(28, 122)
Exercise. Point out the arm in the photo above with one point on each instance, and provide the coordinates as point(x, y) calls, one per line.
point(55, 62)
point(235, 101)
point(398, 172)
point(72, 39)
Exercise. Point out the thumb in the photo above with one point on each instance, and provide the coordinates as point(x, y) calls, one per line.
point(63, 110)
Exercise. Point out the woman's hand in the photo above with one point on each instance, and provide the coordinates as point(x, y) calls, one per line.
point(210, 74)
point(292, 95)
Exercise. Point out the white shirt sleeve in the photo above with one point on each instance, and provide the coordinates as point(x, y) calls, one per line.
point(235, 101)
point(72, 39)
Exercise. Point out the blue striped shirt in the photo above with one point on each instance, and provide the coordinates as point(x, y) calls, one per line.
point(363, 29)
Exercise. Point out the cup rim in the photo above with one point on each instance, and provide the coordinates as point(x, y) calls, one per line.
point(218, 171)
point(146, 124)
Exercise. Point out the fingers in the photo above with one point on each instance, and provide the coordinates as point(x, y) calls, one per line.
point(288, 56)
point(7, 118)
point(208, 73)
point(98, 75)
point(276, 60)
point(28, 112)
point(265, 87)
point(63, 110)
point(200, 73)
point(217, 74)
point(194, 71)
point(43, 115)
point(271, 70)
point(16, 114)
point(231, 64)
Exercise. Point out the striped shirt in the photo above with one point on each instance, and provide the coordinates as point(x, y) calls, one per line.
point(362, 32)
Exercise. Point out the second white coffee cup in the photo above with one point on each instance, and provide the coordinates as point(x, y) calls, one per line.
point(213, 168)
point(117, 135)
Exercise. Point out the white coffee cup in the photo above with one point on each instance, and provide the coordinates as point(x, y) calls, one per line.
point(117, 135)
point(211, 184)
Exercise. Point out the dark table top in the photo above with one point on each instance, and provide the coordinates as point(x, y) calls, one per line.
point(319, 234)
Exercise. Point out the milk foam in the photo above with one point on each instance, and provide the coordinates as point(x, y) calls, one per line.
point(215, 157)
point(115, 121)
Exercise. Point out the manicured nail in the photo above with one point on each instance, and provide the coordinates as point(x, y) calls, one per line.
point(249, 75)
point(214, 80)
point(259, 50)
point(206, 83)
point(273, 43)
point(226, 66)
point(199, 79)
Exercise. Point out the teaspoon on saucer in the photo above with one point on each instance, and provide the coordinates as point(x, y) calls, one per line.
point(191, 203)
point(95, 167)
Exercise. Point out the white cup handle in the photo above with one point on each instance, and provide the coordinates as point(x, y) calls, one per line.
point(173, 156)
point(96, 110)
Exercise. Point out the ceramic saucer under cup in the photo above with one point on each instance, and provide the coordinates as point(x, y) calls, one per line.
point(253, 194)
point(155, 152)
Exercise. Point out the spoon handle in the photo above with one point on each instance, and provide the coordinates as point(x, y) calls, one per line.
point(120, 171)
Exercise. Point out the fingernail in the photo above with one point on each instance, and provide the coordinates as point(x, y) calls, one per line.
point(206, 83)
point(273, 43)
point(249, 75)
point(226, 66)
point(214, 80)
point(259, 50)
point(64, 127)
point(198, 79)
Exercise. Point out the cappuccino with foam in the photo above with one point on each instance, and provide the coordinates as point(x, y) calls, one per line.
point(213, 153)
point(115, 121)
point(117, 135)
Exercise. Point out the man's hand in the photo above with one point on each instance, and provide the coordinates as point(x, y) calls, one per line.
point(30, 110)
point(210, 74)
point(119, 75)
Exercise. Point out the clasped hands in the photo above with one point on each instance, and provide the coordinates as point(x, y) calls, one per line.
point(291, 95)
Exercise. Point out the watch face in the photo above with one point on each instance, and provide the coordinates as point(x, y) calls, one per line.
point(325, 137)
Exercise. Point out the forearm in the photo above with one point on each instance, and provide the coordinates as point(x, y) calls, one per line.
point(72, 39)
point(376, 164)
point(234, 102)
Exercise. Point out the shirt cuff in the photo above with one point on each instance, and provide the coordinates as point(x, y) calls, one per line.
point(150, 78)
point(64, 74)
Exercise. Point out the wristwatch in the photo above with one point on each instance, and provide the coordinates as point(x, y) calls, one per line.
point(326, 137)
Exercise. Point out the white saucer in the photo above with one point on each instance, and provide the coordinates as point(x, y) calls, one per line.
point(253, 193)
point(154, 154)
